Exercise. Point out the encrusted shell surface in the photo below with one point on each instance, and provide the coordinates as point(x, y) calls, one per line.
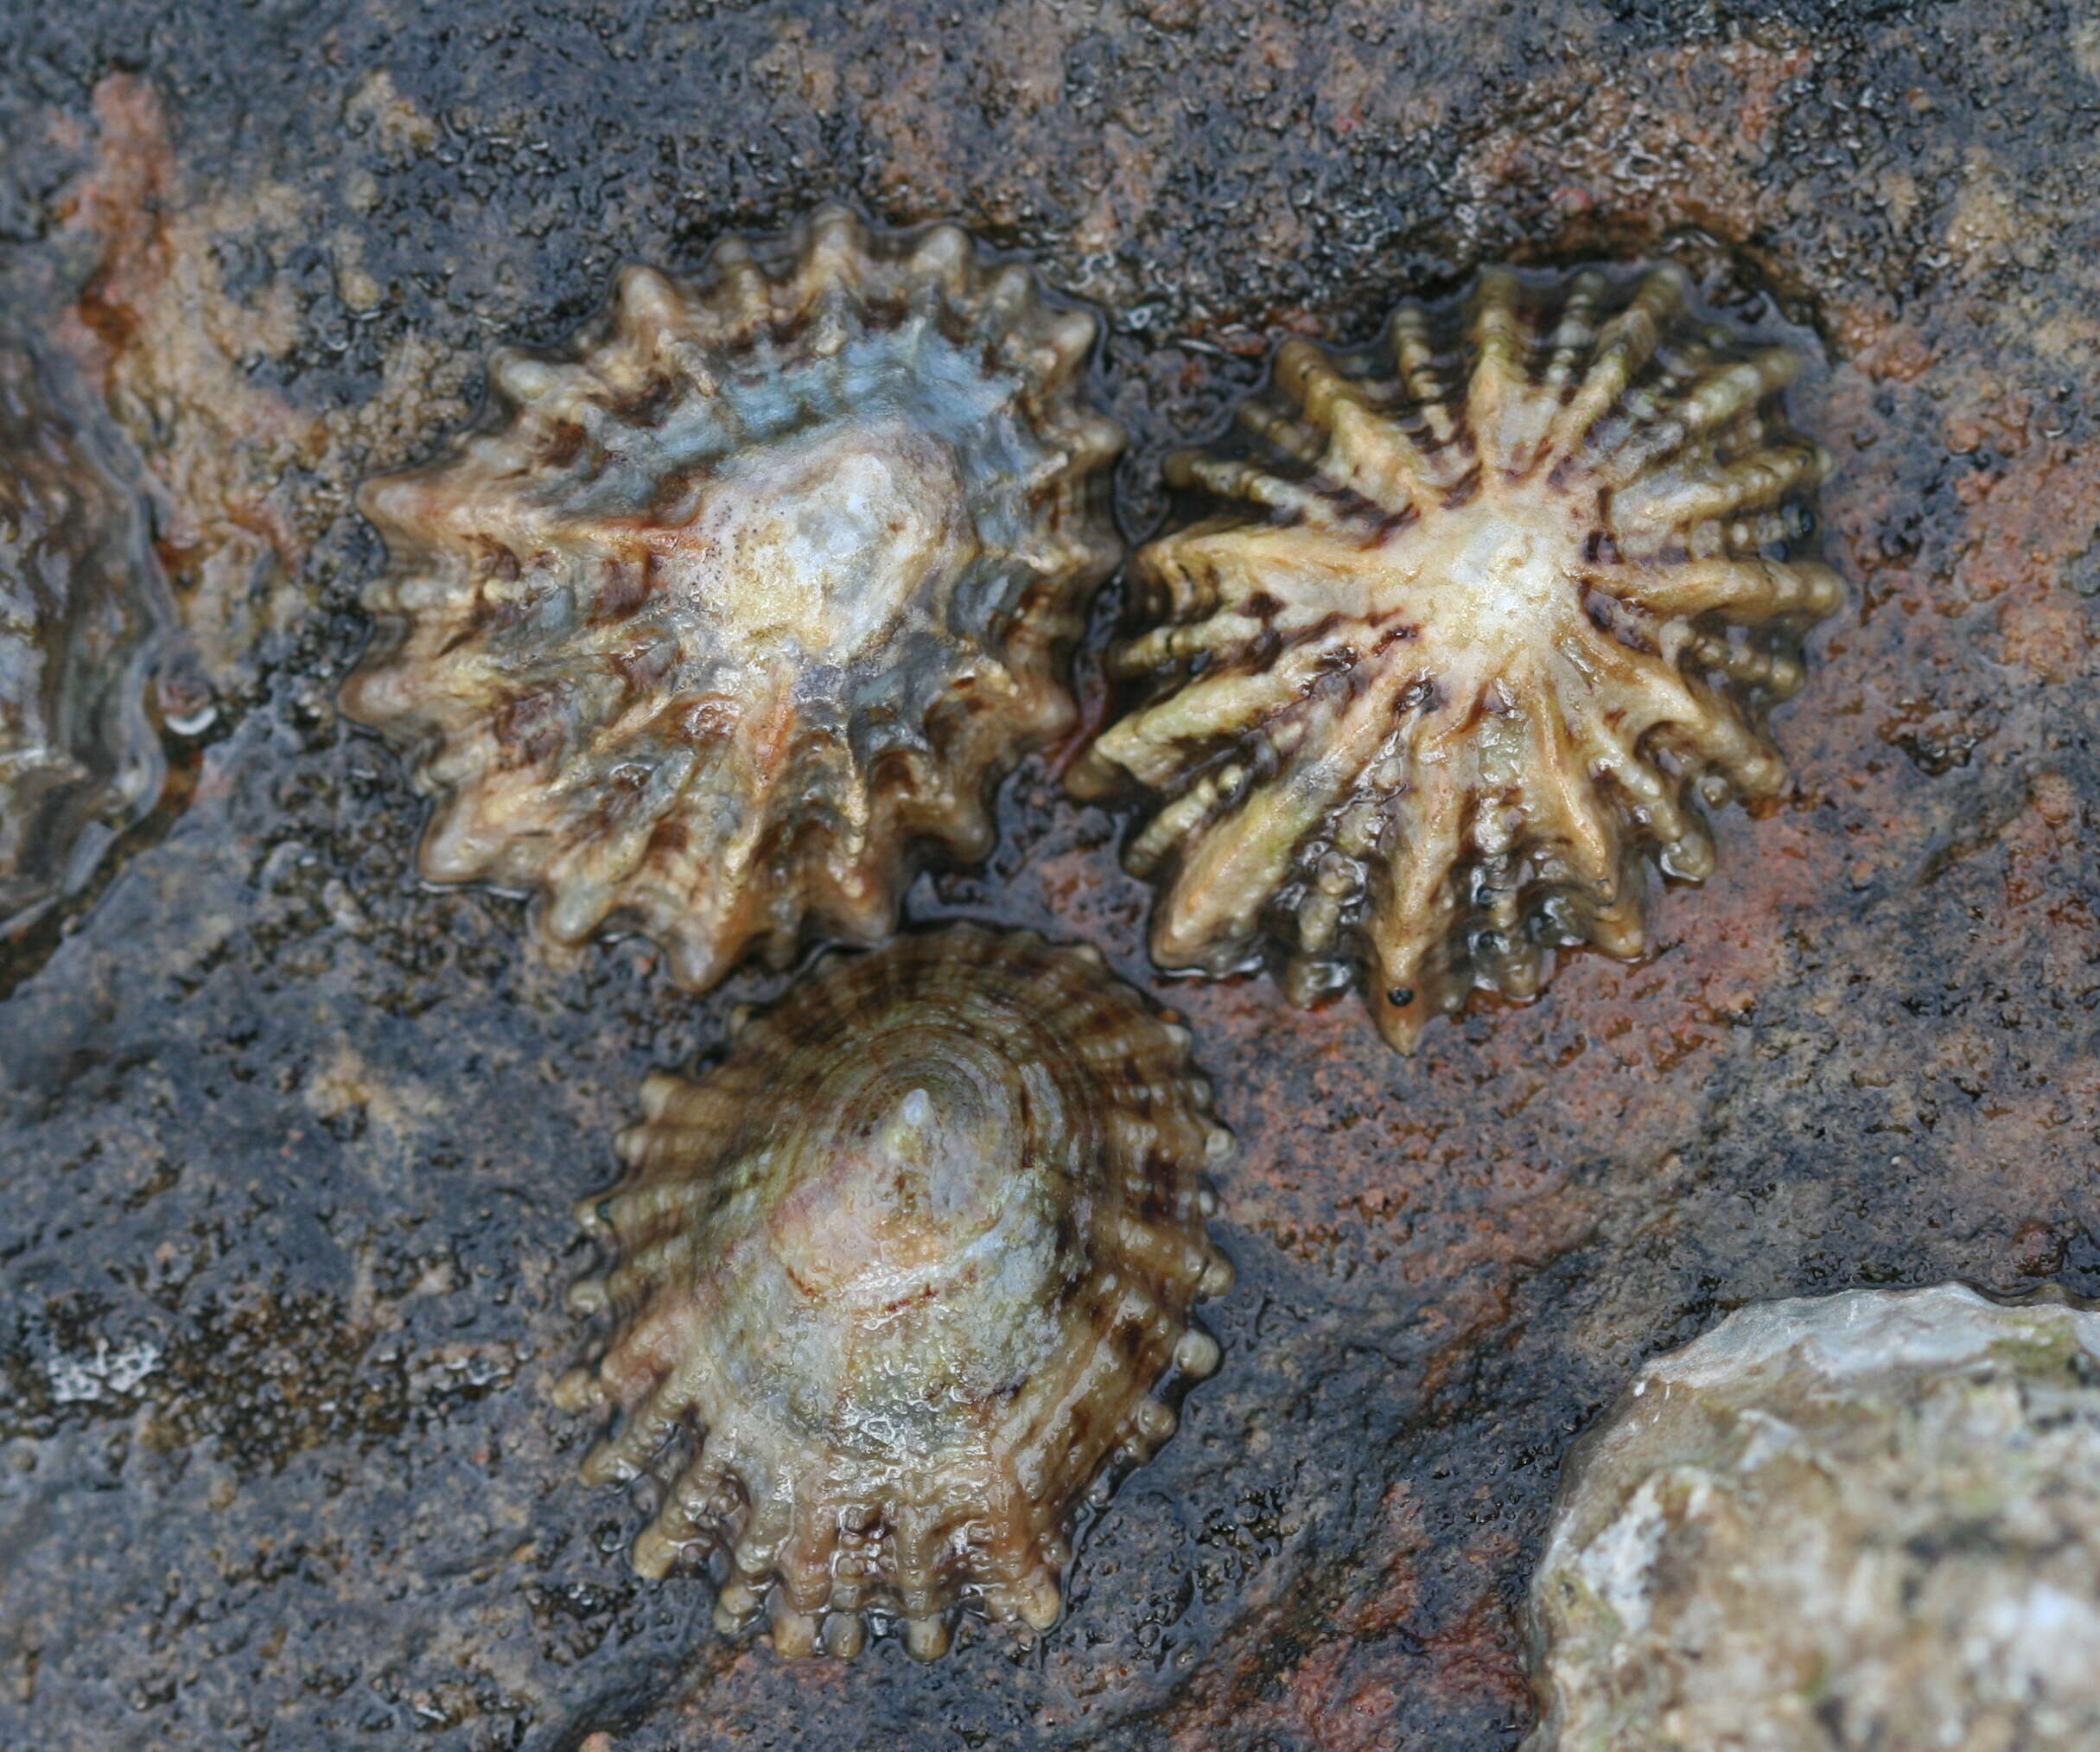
point(82, 606)
point(1860, 1521)
point(734, 609)
point(1498, 603)
point(898, 1279)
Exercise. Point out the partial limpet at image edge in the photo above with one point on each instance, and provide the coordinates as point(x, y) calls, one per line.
point(84, 611)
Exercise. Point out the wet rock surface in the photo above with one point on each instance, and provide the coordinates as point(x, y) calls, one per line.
point(292, 1140)
point(1857, 1520)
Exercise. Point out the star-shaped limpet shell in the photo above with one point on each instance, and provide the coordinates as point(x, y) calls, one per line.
point(83, 608)
point(898, 1280)
point(732, 611)
point(1496, 606)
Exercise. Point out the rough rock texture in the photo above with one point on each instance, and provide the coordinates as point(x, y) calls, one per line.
point(1494, 611)
point(1862, 1520)
point(898, 1279)
point(291, 1141)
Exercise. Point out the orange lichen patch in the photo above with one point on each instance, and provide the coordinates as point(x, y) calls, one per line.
point(1482, 1656)
point(1402, 1539)
point(2032, 518)
point(904, 1273)
point(1886, 351)
point(245, 479)
point(170, 347)
point(2044, 855)
point(1687, 138)
point(1353, 1661)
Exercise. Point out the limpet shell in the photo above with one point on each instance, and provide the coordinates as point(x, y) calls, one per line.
point(898, 1279)
point(731, 612)
point(1493, 608)
point(83, 606)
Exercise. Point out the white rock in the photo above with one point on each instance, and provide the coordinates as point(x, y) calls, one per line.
point(1864, 1520)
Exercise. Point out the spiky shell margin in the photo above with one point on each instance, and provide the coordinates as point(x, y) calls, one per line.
point(1489, 612)
point(731, 612)
point(898, 1280)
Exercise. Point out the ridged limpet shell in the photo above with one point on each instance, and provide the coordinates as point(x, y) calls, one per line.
point(732, 611)
point(82, 607)
point(1497, 605)
point(898, 1279)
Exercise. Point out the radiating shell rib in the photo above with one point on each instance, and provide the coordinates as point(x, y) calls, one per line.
point(896, 1280)
point(82, 609)
point(732, 611)
point(1501, 596)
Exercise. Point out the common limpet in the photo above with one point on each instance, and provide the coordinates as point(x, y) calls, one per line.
point(82, 607)
point(896, 1281)
point(731, 611)
point(1493, 607)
